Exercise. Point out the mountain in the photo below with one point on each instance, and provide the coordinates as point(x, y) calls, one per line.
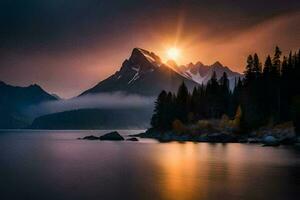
point(14, 99)
point(145, 74)
point(201, 73)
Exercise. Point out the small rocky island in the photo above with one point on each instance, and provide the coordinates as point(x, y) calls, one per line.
point(112, 136)
point(115, 136)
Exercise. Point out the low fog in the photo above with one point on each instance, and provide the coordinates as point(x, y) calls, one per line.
point(116, 100)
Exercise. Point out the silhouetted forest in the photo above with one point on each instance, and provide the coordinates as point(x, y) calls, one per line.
point(269, 93)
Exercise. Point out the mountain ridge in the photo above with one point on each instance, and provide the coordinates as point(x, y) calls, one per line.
point(144, 73)
point(14, 99)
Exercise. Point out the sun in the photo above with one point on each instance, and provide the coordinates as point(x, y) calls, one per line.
point(173, 53)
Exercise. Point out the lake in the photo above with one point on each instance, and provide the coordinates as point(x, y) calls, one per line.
point(55, 165)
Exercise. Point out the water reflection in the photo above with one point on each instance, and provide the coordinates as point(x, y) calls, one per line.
point(54, 165)
point(215, 171)
point(180, 171)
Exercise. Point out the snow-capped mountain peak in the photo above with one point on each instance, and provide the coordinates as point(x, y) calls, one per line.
point(201, 73)
point(146, 57)
point(144, 73)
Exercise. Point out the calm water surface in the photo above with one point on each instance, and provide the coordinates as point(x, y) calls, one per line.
point(54, 165)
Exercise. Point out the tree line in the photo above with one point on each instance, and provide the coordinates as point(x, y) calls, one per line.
point(269, 93)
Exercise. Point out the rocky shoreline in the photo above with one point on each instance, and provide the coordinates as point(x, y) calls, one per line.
point(266, 139)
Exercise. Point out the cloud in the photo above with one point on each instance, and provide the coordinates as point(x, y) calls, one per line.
point(281, 30)
point(116, 100)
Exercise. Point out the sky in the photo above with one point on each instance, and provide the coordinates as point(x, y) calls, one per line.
point(68, 46)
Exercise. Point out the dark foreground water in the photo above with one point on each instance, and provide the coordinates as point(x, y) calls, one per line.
point(54, 165)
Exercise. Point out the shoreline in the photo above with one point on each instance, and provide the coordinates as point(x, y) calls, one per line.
point(265, 140)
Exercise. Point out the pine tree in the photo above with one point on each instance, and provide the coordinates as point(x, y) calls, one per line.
point(236, 97)
point(261, 96)
point(286, 94)
point(169, 111)
point(249, 73)
point(158, 117)
point(224, 94)
point(213, 98)
point(182, 101)
point(195, 102)
point(267, 67)
point(275, 86)
point(257, 68)
point(266, 85)
point(276, 61)
point(224, 82)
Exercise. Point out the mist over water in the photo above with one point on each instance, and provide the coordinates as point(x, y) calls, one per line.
point(114, 101)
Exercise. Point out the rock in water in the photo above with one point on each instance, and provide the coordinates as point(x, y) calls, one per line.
point(111, 136)
point(132, 139)
point(270, 141)
point(91, 137)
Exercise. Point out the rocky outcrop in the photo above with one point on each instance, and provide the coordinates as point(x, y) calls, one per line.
point(133, 139)
point(108, 136)
point(90, 137)
point(111, 136)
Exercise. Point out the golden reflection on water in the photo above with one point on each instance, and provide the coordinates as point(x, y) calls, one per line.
point(180, 171)
point(201, 171)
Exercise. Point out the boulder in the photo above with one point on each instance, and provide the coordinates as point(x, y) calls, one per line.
point(111, 136)
point(270, 141)
point(132, 139)
point(90, 137)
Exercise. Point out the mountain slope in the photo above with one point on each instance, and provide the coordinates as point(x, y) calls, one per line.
point(14, 99)
point(201, 73)
point(145, 74)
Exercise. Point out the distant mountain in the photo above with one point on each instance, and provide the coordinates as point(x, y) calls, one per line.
point(134, 118)
point(201, 73)
point(14, 99)
point(144, 73)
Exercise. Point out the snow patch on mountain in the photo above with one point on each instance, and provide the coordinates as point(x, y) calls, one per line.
point(150, 56)
point(196, 77)
point(135, 77)
point(136, 68)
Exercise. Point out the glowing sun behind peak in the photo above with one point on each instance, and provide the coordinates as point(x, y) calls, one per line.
point(173, 53)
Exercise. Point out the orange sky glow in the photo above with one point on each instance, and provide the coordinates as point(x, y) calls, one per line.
point(82, 68)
